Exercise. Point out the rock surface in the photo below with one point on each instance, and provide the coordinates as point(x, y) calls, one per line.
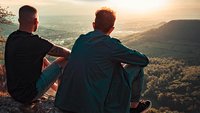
point(43, 105)
point(8, 105)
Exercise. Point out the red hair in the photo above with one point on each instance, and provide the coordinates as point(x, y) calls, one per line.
point(105, 19)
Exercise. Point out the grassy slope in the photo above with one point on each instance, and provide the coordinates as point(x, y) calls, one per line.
point(178, 38)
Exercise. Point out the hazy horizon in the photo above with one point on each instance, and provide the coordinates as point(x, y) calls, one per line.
point(141, 9)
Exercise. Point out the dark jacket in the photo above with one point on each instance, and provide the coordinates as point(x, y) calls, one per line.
point(86, 86)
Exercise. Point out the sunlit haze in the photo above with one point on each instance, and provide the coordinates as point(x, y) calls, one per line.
point(163, 9)
point(139, 6)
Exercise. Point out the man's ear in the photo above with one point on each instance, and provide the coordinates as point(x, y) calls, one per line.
point(93, 24)
point(19, 20)
point(35, 21)
point(110, 30)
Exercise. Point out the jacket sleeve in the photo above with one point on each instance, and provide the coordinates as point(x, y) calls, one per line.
point(123, 54)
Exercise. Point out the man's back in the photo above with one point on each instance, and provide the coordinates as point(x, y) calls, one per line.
point(89, 74)
point(24, 54)
point(86, 62)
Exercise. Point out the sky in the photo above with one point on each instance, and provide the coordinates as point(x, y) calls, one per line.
point(183, 9)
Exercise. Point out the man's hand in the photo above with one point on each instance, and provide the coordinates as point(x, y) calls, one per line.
point(45, 63)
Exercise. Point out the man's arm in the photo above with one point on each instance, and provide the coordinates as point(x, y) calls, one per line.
point(125, 55)
point(58, 51)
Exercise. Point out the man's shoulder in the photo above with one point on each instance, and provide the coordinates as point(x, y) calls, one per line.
point(115, 40)
point(12, 36)
point(20, 34)
point(36, 37)
point(89, 34)
point(14, 33)
point(112, 41)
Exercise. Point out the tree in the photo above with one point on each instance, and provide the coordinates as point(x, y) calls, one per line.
point(5, 16)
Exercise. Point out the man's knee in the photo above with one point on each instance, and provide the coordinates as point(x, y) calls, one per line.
point(133, 72)
point(133, 68)
point(61, 61)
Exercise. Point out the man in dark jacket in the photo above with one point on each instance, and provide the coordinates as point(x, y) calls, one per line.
point(95, 80)
point(25, 58)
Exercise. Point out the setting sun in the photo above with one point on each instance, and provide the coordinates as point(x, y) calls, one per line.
point(139, 6)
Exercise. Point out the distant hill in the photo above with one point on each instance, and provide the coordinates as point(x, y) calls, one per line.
point(59, 37)
point(45, 32)
point(177, 38)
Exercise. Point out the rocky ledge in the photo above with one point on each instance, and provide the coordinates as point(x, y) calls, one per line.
point(43, 105)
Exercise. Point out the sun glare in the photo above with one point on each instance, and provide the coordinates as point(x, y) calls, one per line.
point(138, 6)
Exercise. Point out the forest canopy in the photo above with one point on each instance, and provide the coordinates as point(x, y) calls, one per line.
point(173, 85)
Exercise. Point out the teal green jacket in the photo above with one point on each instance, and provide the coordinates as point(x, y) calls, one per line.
point(87, 86)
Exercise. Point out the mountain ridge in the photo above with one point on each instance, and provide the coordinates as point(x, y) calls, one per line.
point(177, 38)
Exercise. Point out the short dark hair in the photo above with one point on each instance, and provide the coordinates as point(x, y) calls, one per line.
point(105, 19)
point(26, 10)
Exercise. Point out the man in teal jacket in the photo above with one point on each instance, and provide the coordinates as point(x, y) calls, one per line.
point(95, 80)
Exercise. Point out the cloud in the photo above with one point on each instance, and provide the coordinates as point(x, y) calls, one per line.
point(23, 2)
point(80, 0)
point(91, 3)
point(92, 0)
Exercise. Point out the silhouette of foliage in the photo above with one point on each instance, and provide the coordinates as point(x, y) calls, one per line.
point(5, 16)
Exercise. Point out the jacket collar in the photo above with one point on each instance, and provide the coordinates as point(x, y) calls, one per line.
point(97, 33)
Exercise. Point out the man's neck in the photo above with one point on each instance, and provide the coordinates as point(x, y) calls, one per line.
point(26, 29)
point(102, 32)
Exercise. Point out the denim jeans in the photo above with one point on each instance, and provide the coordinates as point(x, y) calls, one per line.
point(136, 77)
point(47, 78)
point(124, 89)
